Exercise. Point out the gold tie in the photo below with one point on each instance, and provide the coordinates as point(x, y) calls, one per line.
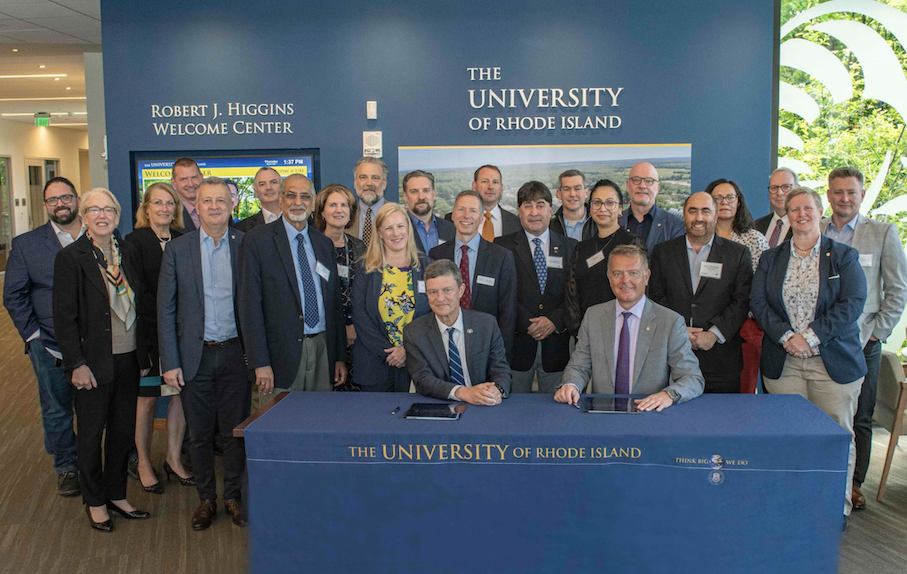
point(488, 228)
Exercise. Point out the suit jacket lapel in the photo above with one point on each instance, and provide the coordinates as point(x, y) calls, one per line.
point(195, 252)
point(481, 261)
point(524, 256)
point(644, 338)
point(555, 249)
point(91, 267)
point(234, 258)
point(682, 259)
point(437, 345)
point(824, 272)
point(776, 277)
point(286, 259)
point(858, 232)
point(607, 327)
point(50, 239)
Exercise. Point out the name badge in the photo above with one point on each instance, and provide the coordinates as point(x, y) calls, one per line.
point(865, 259)
point(555, 262)
point(420, 286)
point(323, 271)
point(595, 259)
point(711, 270)
point(482, 280)
point(343, 271)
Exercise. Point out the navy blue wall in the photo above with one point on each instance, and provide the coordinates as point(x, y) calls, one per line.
point(697, 73)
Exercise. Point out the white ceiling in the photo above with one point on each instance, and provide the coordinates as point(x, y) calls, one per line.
point(54, 34)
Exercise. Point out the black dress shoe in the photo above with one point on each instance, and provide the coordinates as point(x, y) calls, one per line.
point(189, 481)
point(201, 518)
point(237, 511)
point(68, 484)
point(106, 526)
point(128, 514)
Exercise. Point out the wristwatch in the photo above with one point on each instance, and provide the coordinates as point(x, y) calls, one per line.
point(501, 390)
point(675, 396)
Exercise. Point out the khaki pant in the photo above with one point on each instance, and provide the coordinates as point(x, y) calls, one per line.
point(809, 379)
point(313, 374)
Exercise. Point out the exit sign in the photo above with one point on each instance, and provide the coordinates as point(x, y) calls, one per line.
point(42, 122)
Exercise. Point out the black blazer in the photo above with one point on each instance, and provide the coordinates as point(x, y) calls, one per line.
point(498, 300)
point(369, 365)
point(188, 224)
point(722, 302)
point(271, 312)
point(82, 310)
point(248, 224)
point(842, 294)
point(532, 303)
point(761, 225)
point(446, 233)
point(148, 256)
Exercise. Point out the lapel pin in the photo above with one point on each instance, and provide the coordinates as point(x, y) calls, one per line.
point(555, 248)
point(648, 328)
point(469, 331)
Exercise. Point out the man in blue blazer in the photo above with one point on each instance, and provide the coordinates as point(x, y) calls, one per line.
point(454, 353)
point(292, 317)
point(643, 218)
point(27, 295)
point(199, 342)
point(488, 272)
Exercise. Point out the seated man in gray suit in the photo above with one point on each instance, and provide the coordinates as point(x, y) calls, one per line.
point(454, 353)
point(646, 351)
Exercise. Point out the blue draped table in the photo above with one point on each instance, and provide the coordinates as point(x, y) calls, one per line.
point(724, 483)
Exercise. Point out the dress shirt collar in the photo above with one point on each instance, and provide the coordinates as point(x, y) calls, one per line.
point(852, 224)
point(636, 310)
point(544, 237)
point(473, 243)
point(202, 235)
point(773, 222)
point(269, 217)
point(417, 222)
point(66, 236)
point(458, 324)
point(292, 232)
point(706, 246)
point(495, 212)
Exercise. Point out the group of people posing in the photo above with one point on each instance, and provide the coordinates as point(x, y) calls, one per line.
point(345, 291)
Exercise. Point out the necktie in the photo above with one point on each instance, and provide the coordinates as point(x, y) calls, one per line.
point(541, 265)
point(453, 356)
point(466, 299)
point(622, 380)
point(776, 234)
point(488, 228)
point(193, 215)
point(310, 295)
point(367, 227)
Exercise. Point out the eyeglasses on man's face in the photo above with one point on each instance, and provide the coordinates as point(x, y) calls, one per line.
point(64, 199)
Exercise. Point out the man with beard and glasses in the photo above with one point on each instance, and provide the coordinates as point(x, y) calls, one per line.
point(419, 195)
point(27, 295)
point(370, 181)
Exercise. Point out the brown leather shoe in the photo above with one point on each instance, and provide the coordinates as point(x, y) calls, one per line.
point(201, 518)
point(857, 498)
point(237, 511)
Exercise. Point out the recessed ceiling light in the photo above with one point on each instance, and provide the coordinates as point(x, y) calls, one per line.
point(68, 88)
point(17, 76)
point(41, 99)
point(15, 49)
point(41, 66)
point(17, 115)
point(56, 79)
point(68, 124)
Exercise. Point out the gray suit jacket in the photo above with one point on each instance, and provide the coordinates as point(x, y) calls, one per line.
point(426, 356)
point(664, 357)
point(886, 276)
point(181, 302)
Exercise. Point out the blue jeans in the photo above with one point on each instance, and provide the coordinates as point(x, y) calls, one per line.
point(55, 393)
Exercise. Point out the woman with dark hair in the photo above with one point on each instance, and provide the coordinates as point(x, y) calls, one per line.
point(736, 223)
point(336, 209)
point(158, 221)
point(587, 276)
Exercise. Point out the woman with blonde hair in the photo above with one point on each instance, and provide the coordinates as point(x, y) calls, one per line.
point(158, 221)
point(388, 293)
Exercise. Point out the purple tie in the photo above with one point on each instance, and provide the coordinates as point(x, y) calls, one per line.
point(776, 234)
point(622, 384)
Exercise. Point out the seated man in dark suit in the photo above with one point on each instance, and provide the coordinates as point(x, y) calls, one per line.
point(419, 194)
point(632, 345)
point(267, 186)
point(487, 270)
point(707, 280)
point(454, 353)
